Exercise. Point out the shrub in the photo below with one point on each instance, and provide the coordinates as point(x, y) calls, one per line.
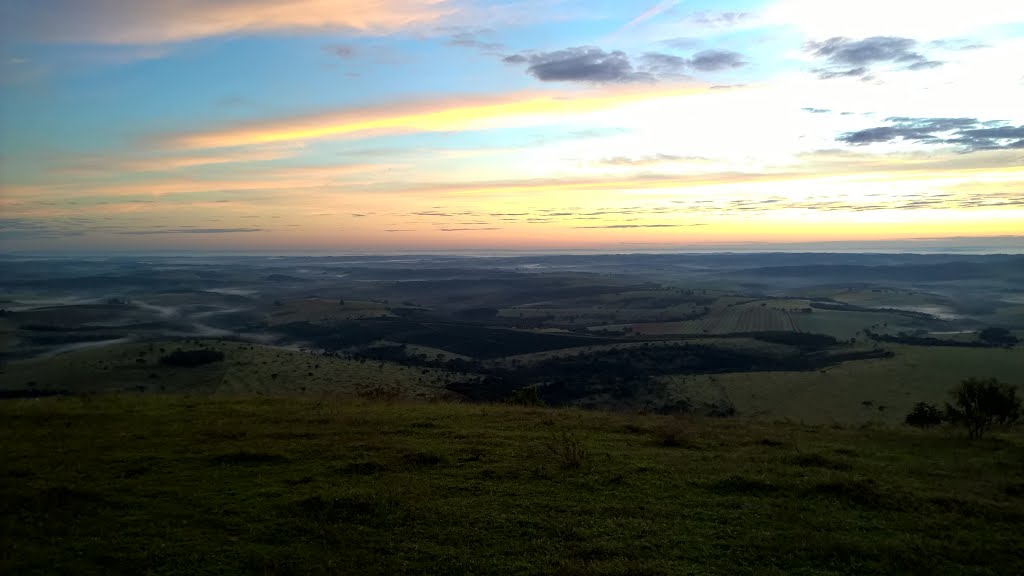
point(997, 337)
point(568, 450)
point(674, 433)
point(924, 416)
point(980, 404)
point(189, 358)
point(527, 396)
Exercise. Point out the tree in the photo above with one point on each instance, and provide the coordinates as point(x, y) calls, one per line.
point(982, 403)
point(997, 337)
point(341, 301)
point(924, 416)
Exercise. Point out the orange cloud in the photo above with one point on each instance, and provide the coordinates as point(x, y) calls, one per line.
point(470, 113)
point(163, 21)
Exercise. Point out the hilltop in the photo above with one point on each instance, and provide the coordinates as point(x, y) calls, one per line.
point(177, 484)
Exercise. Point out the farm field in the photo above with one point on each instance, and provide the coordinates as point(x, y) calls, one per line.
point(321, 311)
point(844, 324)
point(247, 368)
point(881, 390)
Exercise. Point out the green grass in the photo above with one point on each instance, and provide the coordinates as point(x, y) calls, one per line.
point(208, 485)
point(247, 368)
point(856, 392)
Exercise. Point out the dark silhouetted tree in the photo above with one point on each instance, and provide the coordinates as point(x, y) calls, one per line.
point(997, 337)
point(980, 404)
point(924, 416)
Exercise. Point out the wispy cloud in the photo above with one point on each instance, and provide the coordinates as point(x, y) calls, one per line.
point(651, 12)
point(442, 115)
point(189, 231)
point(159, 21)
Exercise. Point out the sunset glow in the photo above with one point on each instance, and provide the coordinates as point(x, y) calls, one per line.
point(411, 125)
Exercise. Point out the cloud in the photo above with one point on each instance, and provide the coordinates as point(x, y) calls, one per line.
point(189, 231)
point(343, 51)
point(473, 39)
point(664, 64)
point(922, 19)
point(715, 60)
point(681, 43)
point(817, 110)
point(27, 228)
point(970, 134)
point(848, 57)
point(719, 19)
point(649, 160)
point(160, 21)
point(465, 229)
point(621, 226)
point(594, 65)
point(651, 12)
point(583, 64)
point(438, 115)
point(131, 163)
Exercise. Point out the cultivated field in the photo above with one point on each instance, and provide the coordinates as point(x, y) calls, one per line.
point(881, 390)
point(247, 368)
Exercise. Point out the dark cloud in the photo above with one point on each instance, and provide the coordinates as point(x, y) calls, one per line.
point(465, 229)
point(592, 64)
point(189, 231)
point(582, 64)
point(970, 134)
point(850, 58)
point(816, 110)
point(343, 51)
point(399, 230)
point(715, 60)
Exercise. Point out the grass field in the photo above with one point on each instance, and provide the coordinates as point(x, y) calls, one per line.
point(173, 485)
point(846, 324)
point(319, 310)
point(856, 392)
point(247, 368)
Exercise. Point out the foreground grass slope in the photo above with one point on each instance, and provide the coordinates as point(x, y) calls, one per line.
point(206, 485)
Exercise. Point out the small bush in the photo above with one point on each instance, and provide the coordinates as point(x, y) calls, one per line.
point(924, 416)
point(673, 434)
point(528, 396)
point(568, 450)
point(189, 358)
point(818, 461)
point(980, 404)
point(386, 394)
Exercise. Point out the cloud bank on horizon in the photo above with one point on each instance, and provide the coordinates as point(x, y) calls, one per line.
point(518, 124)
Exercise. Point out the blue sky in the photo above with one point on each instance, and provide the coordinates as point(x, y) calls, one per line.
point(434, 124)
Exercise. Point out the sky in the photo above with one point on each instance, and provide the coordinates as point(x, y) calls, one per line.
point(347, 125)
